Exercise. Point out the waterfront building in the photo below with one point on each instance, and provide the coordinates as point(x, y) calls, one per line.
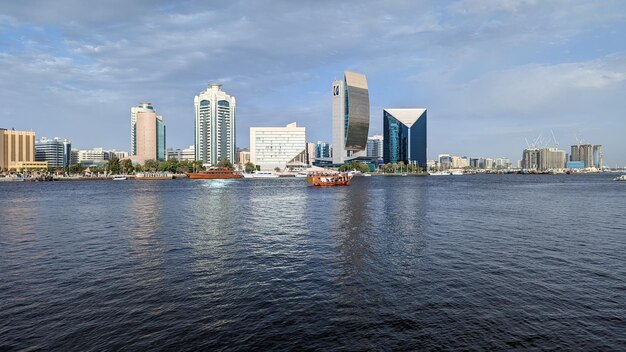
point(502, 163)
point(351, 117)
point(56, 152)
point(214, 125)
point(375, 147)
point(458, 162)
point(148, 134)
point(590, 154)
point(543, 159)
point(404, 136)
point(323, 150)
point(575, 165)
point(15, 147)
point(445, 161)
point(278, 147)
point(181, 154)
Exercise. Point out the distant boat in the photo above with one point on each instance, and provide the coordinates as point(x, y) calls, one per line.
point(439, 173)
point(154, 176)
point(620, 178)
point(366, 175)
point(261, 174)
point(119, 178)
point(457, 173)
point(213, 173)
point(12, 179)
point(301, 174)
point(328, 179)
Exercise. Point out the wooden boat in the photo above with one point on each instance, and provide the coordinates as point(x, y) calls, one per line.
point(325, 179)
point(214, 173)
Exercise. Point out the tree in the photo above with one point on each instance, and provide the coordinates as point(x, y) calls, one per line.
point(127, 166)
point(249, 167)
point(114, 165)
point(196, 165)
point(277, 169)
point(151, 165)
point(225, 163)
point(76, 169)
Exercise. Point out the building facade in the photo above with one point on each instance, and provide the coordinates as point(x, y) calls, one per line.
point(188, 154)
point(16, 147)
point(323, 150)
point(57, 152)
point(278, 147)
point(543, 159)
point(351, 117)
point(404, 134)
point(149, 134)
point(590, 154)
point(214, 125)
point(375, 147)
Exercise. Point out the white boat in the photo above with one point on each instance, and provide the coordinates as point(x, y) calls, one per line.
point(119, 178)
point(301, 174)
point(366, 175)
point(260, 174)
point(12, 179)
point(439, 173)
point(620, 178)
point(457, 173)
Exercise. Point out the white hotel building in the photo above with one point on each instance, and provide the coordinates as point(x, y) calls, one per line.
point(278, 147)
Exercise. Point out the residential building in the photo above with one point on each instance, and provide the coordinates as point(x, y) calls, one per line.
point(590, 154)
point(142, 107)
point(278, 147)
point(180, 154)
point(149, 134)
point(15, 147)
point(375, 147)
point(404, 134)
point(56, 152)
point(351, 117)
point(543, 159)
point(458, 162)
point(214, 125)
point(310, 153)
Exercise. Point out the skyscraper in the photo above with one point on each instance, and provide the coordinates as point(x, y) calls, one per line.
point(590, 154)
point(351, 116)
point(215, 125)
point(404, 134)
point(148, 134)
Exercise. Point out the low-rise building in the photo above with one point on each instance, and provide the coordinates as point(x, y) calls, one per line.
point(56, 152)
point(278, 147)
point(16, 147)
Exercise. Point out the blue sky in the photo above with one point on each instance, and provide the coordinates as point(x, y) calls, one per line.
point(492, 73)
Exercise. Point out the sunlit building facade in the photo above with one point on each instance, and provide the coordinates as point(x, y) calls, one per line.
point(214, 125)
point(16, 147)
point(351, 117)
point(404, 135)
point(278, 147)
point(375, 147)
point(57, 152)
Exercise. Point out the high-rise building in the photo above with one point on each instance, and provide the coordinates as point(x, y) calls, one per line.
point(375, 147)
point(590, 154)
point(278, 147)
point(351, 117)
point(215, 125)
point(147, 134)
point(543, 159)
point(16, 148)
point(310, 152)
point(56, 152)
point(148, 131)
point(404, 133)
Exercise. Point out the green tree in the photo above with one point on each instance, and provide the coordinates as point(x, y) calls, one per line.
point(127, 166)
point(249, 167)
point(196, 165)
point(151, 165)
point(114, 165)
point(76, 169)
point(225, 163)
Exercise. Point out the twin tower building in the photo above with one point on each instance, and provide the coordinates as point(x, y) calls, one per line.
point(404, 130)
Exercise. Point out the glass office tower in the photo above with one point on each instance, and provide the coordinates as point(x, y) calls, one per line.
point(404, 136)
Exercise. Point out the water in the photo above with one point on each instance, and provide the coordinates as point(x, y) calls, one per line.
point(413, 263)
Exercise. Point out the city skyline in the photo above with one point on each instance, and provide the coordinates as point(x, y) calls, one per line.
point(488, 78)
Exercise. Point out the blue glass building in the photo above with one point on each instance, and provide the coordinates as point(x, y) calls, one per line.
point(404, 136)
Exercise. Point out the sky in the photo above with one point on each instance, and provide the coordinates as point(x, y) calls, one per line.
point(493, 74)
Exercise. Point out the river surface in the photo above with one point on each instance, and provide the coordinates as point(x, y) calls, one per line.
point(485, 262)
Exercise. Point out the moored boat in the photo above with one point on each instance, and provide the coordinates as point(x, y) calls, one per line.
point(261, 174)
point(119, 178)
point(213, 173)
point(154, 176)
point(327, 179)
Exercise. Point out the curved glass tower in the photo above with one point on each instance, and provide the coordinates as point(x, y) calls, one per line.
point(351, 117)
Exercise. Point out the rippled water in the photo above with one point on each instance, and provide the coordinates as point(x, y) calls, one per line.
point(473, 262)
